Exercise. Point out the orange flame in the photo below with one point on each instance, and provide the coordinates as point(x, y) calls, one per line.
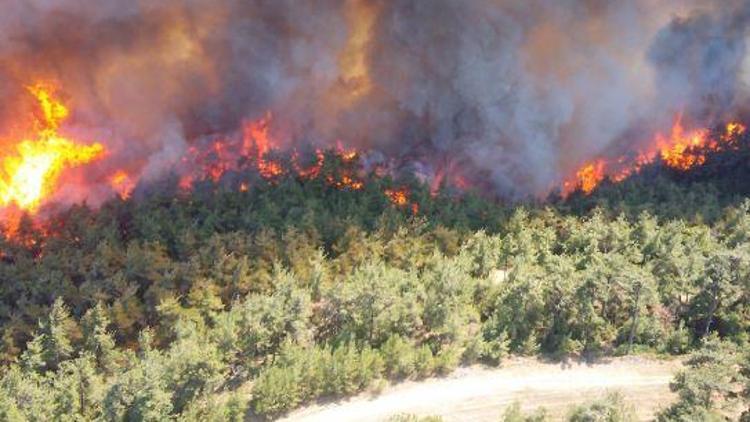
point(346, 155)
point(587, 177)
point(345, 182)
point(258, 139)
point(682, 150)
point(122, 184)
point(346, 178)
point(254, 150)
point(310, 172)
point(30, 169)
point(401, 198)
point(398, 197)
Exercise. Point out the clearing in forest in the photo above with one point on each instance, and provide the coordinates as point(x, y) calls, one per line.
point(482, 394)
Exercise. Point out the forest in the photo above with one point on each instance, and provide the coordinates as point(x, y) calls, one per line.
point(224, 304)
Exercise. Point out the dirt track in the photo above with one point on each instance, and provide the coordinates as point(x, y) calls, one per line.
point(478, 394)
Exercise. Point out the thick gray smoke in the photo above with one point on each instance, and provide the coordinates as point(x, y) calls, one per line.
point(514, 94)
point(699, 60)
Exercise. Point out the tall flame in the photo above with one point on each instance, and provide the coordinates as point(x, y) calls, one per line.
point(258, 139)
point(30, 169)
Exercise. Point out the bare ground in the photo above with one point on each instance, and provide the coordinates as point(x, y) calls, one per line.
point(482, 394)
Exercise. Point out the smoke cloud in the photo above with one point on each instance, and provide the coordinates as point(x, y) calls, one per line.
point(515, 95)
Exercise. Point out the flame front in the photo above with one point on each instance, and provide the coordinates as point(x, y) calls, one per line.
point(30, 169)
point(257, 150)
point(682, 150)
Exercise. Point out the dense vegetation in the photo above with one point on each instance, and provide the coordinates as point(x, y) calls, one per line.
point(223, 304)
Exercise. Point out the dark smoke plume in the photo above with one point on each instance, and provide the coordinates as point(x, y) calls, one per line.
point(514, 94)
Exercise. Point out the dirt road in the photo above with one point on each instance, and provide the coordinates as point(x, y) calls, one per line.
point(479, 394)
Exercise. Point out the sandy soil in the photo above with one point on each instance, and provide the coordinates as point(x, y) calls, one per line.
point(481, 394)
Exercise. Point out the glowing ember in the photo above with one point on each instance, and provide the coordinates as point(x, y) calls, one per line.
point(682, 150)
point(30, 169)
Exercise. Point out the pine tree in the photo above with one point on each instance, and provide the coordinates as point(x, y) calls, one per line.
point(97, 340)
point(708, 384)
point(32, 359)
point(720, 286)
point(55, 331)
point(78, 389)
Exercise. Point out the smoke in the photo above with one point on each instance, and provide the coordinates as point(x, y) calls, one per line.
point(699, 60)
point(512, 95)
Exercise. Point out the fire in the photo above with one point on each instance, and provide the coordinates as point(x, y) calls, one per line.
point(122, 184)
point(398, 197)
point(346, 155)
point(213, 158)
point(345, 182)
point(30, 169)
point(732, 131)
point(588, 177)
point(253, 149)
point(401, 198)
point(53, 111)
point(310, 172)
point(448, 173)
point(345, 176)
point(257, 139)
point(681, 150)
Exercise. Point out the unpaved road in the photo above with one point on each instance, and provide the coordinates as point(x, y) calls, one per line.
point(480, 394)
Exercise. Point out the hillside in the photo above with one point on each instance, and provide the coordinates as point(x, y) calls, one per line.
point(165, 305)
point(241, 210)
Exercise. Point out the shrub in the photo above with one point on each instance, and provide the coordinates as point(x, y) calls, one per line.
point(514, 414)
point(611, 408)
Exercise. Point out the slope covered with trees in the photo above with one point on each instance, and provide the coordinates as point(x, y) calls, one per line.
point(222, 304)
